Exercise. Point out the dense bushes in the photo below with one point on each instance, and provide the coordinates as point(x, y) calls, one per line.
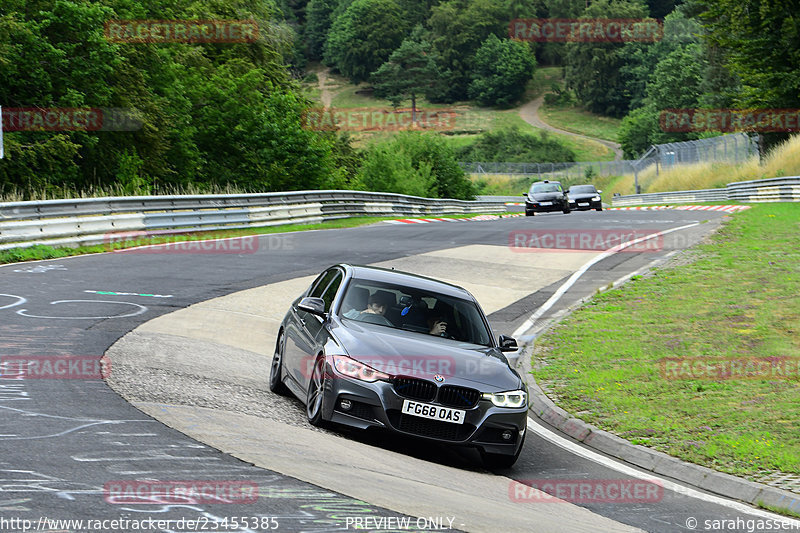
point(513, 145)
point(415, 163)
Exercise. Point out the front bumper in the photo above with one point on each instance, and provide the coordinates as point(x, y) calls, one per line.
point(538, 208)
point(378, 405)
point(585, 205)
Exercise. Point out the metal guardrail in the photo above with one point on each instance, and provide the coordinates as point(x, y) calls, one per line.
point(91, 221)
point(768, 190)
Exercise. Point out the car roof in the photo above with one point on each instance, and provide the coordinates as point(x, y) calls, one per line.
point(406, 279)
point(546, 181)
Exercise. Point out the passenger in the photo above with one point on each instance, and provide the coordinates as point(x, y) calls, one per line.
point(377, 305)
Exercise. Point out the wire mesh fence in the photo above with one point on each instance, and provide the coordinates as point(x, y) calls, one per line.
point(733, 148)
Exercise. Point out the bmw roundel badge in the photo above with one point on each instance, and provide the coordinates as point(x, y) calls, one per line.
point(438, 378)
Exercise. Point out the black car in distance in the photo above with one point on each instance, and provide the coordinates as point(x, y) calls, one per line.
point(544, 197)
point(373, 348)
point(584, 197)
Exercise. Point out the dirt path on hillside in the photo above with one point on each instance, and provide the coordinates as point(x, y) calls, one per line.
point(530, 114)
point(325, 94)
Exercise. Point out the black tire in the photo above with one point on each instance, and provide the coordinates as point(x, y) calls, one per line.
point(315, 399)
point(276, 383)
point(567, 211)
point(497, 461)
point(527, 214)
point(599, 209)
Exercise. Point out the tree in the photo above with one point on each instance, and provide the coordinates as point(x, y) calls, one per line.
point(676, 83)
point(318, 22)
point(762, 43)
point(362, 38)
point(410, 72)
point(593, 68)
point(502, 70)
point(457, 30)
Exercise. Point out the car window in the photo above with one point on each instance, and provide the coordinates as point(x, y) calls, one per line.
point(332, 289)
point(579, 189)
point(322, 283)
point(416, 311)
point(546, 187)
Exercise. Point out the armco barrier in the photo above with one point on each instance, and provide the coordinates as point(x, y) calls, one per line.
point(768, 190)
point(90, 221)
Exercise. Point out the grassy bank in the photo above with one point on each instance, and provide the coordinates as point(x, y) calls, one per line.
point(470, 121)
point(577, 120)
point(568, 116)
point(784, 160)
point(738, 297)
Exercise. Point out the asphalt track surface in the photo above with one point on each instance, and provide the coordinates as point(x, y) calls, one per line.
point(64, 442)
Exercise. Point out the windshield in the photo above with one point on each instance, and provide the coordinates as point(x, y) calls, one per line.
point(582, 189)
point(413, 310)
point(539, 188)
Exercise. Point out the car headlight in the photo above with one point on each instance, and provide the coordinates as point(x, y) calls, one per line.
point(354, 369)
point(513, 399)
point(595, 198)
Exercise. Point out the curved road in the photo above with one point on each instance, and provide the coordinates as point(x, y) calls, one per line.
point(68, 444)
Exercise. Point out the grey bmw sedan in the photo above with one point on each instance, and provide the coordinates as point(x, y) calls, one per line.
point(373, 348)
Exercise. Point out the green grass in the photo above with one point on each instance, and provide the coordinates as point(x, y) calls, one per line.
point(577, 120)
point(738, 297)
point(40, 252)
point(777, 509)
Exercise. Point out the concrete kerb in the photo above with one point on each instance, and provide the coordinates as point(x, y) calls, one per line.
point(701, 477)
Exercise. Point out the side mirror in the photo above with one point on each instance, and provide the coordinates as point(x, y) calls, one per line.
point(315, 306)
point(599, 192)
point(507, 344)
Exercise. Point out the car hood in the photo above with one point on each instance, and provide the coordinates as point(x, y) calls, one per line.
point(400, 352)
point(545, 196)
